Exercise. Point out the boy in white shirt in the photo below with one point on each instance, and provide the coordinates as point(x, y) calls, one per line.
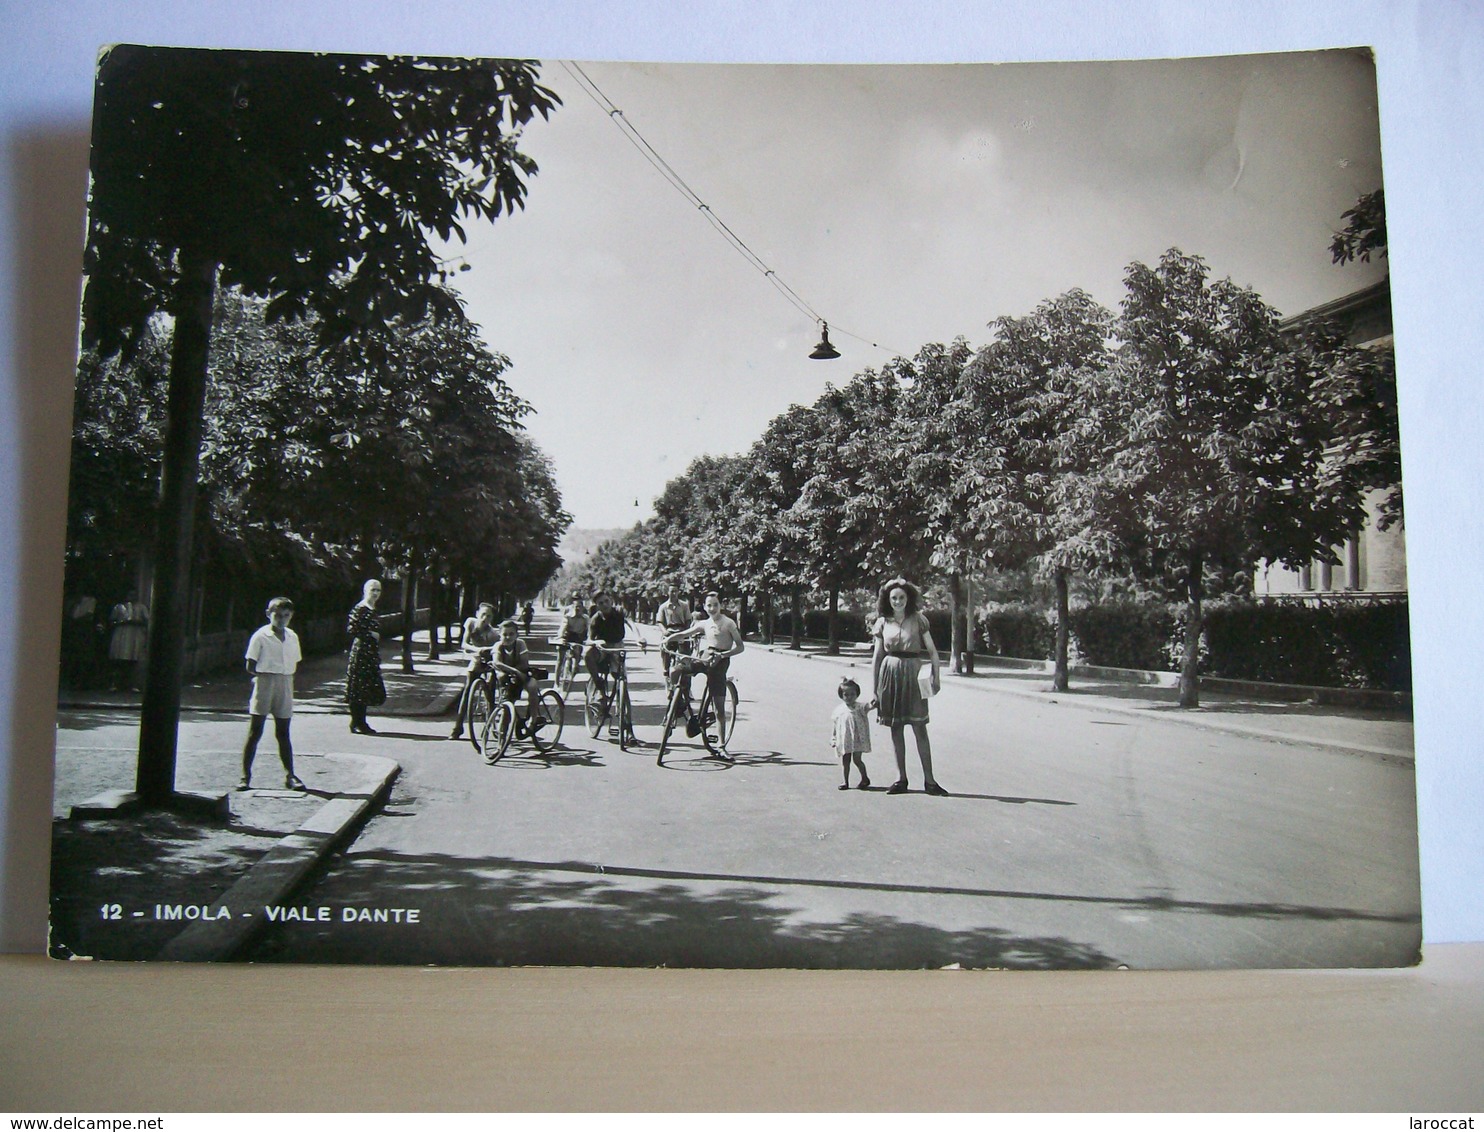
point(272, 657)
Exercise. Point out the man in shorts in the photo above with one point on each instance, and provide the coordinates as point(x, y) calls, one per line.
point(719, 639)
point(273, 656)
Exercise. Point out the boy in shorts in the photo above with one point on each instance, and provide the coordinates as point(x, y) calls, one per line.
point(273, 655)
point(513, 662)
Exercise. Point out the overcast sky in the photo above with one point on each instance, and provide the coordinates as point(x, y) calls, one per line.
point(905, 204)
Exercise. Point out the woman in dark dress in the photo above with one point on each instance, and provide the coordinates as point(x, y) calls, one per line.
point(901, 642)
point(363, 686)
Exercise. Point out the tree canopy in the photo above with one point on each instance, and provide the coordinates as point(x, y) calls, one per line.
point(312, 180)
point(1177, 442)
point(315, 182)
point(1364, 231)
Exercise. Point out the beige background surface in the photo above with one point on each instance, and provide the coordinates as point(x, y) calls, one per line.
point(119, 1037)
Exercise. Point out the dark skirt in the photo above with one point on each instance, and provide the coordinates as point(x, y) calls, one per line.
point(363, 683)
point(900, 699)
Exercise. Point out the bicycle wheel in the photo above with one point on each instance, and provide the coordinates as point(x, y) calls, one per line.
point(477, 711)
point(673, 711)
point(566, 672)
point(550, 709)
point(626, 737)
point(716, 740)
point(594, 707)
point(497, 732)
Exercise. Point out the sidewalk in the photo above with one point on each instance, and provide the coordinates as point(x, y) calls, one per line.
point(1385, 732)
point(170, 877)
point(319, 687)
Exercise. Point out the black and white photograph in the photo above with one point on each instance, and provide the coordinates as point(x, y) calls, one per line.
point(828, 516)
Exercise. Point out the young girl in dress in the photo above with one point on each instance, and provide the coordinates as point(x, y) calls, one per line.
point(852, 737)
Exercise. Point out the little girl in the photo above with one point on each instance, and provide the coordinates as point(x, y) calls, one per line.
point(852, 736)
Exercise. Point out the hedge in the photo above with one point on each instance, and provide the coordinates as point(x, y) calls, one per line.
point(849, 626)
point(1016, 630)
point(1329, 644)
point(1332, 644)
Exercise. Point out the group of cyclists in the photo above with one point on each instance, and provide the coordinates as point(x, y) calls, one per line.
point(700, 644)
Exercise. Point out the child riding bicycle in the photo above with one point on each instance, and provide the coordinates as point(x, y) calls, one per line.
point(511, 661)
point(719, 640)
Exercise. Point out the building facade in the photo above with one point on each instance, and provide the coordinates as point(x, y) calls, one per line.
point(1373, 563)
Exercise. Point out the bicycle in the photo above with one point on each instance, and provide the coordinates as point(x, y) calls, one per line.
point(701, 720)
point(485, 697)
point(599, 698)
point(479, 704)
point(505, 725)
point(569, 659)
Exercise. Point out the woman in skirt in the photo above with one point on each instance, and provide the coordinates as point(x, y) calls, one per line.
point(901, 639)
point(363, 684)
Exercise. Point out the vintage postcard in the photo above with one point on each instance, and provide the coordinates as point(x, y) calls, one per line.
point(536, 512)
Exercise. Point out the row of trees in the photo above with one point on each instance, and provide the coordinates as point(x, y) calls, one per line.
point(316, 472)
point(316, 183)
point(1177, 442)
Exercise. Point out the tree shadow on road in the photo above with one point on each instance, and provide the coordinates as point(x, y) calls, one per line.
point(106, 870)
point(508, 913)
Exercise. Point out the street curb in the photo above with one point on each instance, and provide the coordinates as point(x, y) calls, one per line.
point(1072, 700)
point(1362, 699)
point(274, 878)
point(440, 704)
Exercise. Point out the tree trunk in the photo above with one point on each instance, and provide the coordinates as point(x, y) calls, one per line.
point(435, 613)
point(742, 613)
point(768, 617)
point(174, 534)
point(451, 601)
point(409, 608)
point(1061, 677)
point(832, 647)
point(1190, 680)
point(958, 634)
point(796, 618)
point(968, 625)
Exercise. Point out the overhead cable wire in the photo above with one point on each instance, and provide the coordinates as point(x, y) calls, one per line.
point(665, 170)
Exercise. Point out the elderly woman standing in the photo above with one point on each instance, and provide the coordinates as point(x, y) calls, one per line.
point(363, 685)
point(901, 640)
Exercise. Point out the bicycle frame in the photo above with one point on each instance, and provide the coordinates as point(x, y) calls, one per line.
point(599, 701)
point(680, 703)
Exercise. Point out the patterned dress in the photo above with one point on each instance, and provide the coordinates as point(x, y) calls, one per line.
point(852, 730)
point(900, 699)
point(363, 684)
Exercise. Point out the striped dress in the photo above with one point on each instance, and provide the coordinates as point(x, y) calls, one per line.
point(900, 699)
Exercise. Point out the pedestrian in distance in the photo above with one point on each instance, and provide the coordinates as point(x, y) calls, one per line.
point(526, 616)
point(852, 737)
point(364, 687)
point(480, 635)
point(128, 639)
point(672, 616)
point(272, 658)
point(573, 629)
point(901, 640)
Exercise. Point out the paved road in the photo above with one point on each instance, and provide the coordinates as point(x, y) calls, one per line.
point(1074, 838)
